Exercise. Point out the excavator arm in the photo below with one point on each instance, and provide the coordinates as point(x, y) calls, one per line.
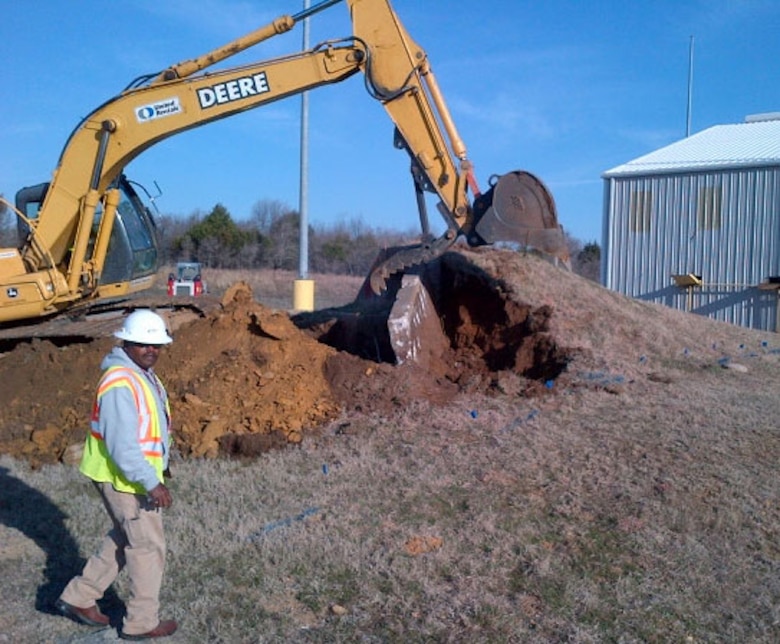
point(65, 254)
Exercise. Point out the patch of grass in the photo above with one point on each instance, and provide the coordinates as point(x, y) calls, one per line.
point(317, 590)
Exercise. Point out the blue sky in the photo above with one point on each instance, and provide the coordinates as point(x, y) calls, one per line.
point(565, 90)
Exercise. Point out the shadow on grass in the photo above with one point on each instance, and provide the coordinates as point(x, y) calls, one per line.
point(37, 517)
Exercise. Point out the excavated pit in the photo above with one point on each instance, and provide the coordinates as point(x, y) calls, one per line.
point(474, 329)
point(244, 378)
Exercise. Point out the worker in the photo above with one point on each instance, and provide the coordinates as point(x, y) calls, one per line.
point(126, 456)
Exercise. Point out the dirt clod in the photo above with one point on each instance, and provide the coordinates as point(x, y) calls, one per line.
point(421, 545)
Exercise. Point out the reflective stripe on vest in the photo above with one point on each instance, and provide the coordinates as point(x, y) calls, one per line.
point(96, 462)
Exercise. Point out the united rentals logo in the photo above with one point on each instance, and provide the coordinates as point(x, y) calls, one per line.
point(168, 107)
point(233, 90)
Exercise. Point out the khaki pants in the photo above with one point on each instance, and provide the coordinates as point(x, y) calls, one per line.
point(136, 542)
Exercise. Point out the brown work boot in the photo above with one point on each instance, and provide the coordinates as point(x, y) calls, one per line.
point(90, 616)
point(163, 629)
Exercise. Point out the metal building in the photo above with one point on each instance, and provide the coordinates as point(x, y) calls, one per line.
point(696, 225)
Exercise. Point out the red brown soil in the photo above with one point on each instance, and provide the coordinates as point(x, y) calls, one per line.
point(247, 378)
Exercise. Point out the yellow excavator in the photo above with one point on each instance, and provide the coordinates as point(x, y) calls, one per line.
point(88, 237)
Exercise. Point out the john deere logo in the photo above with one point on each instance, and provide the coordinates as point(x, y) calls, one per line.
point(233, 90)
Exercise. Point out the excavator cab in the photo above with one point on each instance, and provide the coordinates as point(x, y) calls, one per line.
point(132, 248)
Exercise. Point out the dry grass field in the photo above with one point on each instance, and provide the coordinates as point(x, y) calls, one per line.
point(633, 499)
point(275, 288)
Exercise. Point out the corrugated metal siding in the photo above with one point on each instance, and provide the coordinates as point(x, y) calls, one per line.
point(732, 257)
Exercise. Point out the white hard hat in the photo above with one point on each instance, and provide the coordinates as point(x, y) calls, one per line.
point(144, 327)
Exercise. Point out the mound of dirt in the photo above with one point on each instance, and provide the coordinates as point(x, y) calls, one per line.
point(246, 378)
point(245, 370)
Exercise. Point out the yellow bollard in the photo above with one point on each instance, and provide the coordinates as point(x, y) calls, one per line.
point(303, 295)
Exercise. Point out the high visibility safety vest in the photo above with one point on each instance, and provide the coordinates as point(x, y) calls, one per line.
point(96, 463)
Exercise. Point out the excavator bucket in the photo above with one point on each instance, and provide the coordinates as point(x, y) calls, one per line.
point(519, 208)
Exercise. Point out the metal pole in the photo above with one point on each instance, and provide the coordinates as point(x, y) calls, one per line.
point(303, 288)
point(690, 89)
point(315, 9)
point(303, 205)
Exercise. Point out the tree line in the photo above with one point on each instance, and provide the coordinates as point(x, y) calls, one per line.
point(269, 238)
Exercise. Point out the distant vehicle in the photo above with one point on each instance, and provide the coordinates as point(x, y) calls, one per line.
point(187, 280)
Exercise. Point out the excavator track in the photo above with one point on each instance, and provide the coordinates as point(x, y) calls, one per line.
point(102, 319)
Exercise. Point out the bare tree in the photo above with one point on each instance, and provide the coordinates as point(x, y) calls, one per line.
point(266, 212)
point(284, 236)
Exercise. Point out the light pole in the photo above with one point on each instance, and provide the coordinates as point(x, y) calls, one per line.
point(303, 289)
point(690, 89)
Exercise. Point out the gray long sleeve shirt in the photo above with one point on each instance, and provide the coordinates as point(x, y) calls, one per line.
point(119, 423)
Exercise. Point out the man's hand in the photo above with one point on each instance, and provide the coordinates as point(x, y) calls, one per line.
point(160, 496)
